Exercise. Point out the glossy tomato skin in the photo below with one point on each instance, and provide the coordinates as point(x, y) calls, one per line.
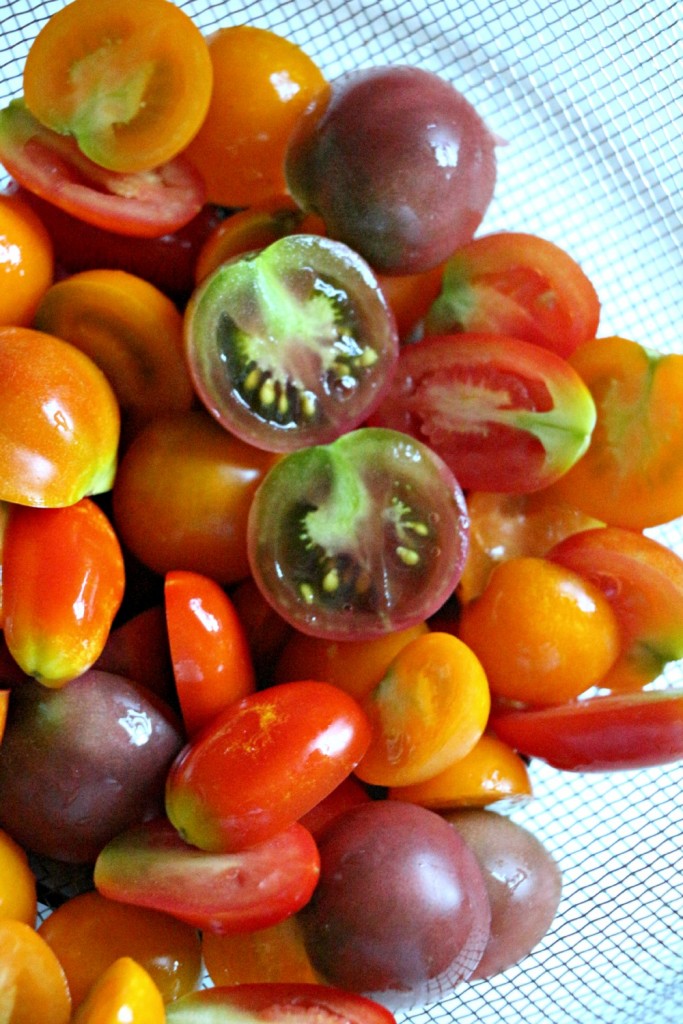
point(150, 865)
point(614, 733)
point(291, 345)
point(278, 1001)
point(264, 762)
point(400, 913)
point(146, 204)
point(360, 537)
point(397, 163)
point(504, 414)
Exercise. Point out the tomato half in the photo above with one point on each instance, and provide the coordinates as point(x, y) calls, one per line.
point(277, 1001)
point(519, 284)
point(504, 414)
point(144, 204)
point(613, 733)
point(360, 537)
point(131, 81)
point(292, 344)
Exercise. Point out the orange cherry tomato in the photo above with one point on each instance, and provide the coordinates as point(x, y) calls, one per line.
point(270, 954)
point(211, 659)
point(262, 82)
point(63, 581)
point(123, 992)
point(490, 772)
point(182, 495)
point(18, 899)
point(429, 710)
point(33, 985)
point(355, 666)
point(89, 932)
point(4, 704)
point(543, 634)
point(132, 331)
point(632, 473)
point(410, 296)
point(131, 80)
point(26, 261)
point(59, 421)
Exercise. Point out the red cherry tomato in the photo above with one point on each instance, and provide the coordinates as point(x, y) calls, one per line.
point(271, 1002)
point(263, 763)
point(209, 650)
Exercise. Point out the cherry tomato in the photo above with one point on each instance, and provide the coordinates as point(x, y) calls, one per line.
point(132, 331)
point(277, 1001)
point(543, 633)
point(274, 955)
point(4, 704)
point(517, 284)
point(124, 991)
point(59, 421)
point(264, 762)
point(145, 204)
point(266, 631)
point(138, 649)
point(359, 537)
point(428, 710)
point(612, 733)
point(33, 986)
point(211, 660)
point(291, 345)
point(348, 793)
point(410, 297)
point(505, 415)
point(151, 866)
point(262, 82)
point(18, 885)
point(26, 261)
point(131, 82)
point(632, 473)
point(89, 932)
point(182, 496)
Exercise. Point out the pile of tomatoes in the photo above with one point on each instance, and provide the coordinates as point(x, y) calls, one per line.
point(320, 514)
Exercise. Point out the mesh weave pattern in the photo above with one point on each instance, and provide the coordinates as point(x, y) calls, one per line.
point(588, 97)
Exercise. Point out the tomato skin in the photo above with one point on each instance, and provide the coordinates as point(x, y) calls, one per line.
point(517, 284)
point(504, 414)
point(63, 581)
point(264, 762)
point(613, 733)
point(59, 421)
point(123, 990)
point(151, 866)
point(277, 1001)
point(146, 205)
point(26, 261)
point(34, 985)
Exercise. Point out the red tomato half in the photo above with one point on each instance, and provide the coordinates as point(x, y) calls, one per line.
point(503, 414)
point(276, 1001)
point(602, 733)
point(146, 204)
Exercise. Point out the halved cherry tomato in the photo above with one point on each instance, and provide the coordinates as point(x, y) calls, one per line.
point(518, 284)
point(274, 955)
point(212, 663)
point(264, 762)
point(357, 538)
point(277, 1002)
point(146, 204)
point(59, 421)
point(123, 992)
point(291, 345)
point(26, 261)
point(33, 986)
point(130, 81)
point(504, 414)
point(614, 733)
point(63, 581)
point(632, 473)
point(151, 866)
point(262, 82)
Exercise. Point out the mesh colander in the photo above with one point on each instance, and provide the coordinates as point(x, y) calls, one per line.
point(588, 98)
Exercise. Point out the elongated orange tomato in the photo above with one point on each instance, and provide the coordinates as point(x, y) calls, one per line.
point(59, 421)
point(124, 992)
point(63, 582)
point(131, 330)
point(428, 711)
point(130, 80)
point(209, 649)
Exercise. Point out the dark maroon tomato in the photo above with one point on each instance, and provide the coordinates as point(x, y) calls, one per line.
point(398, 164)
point(273, 1002)
point(359, 537)
point(291, 345)
point(504, 414)
point(400, 913)
point(523, 882)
